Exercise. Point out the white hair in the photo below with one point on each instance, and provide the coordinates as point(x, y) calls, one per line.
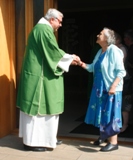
point(110, 34)
point(53, 13)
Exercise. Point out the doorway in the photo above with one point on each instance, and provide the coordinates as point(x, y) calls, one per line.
point(78, 36)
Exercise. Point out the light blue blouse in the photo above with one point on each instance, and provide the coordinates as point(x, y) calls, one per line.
point(112, 66)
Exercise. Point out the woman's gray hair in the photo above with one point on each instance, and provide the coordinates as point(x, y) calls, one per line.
point(53, 13)
point(110, 35)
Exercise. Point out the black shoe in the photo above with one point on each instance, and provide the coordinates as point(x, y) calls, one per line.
point(59, 142)
point(49, 149)
point(36, 149)
point(109, 147)
point(98, 142)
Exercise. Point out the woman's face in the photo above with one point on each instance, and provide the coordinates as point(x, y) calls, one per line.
point(101, 38)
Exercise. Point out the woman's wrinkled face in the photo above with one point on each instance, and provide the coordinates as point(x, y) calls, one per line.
point(101, 38)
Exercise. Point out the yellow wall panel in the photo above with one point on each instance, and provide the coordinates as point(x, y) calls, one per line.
point(7, 67)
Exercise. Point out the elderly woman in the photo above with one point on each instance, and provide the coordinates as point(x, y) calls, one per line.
point(106, 96)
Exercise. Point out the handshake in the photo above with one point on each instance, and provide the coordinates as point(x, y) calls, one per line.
point(77, 61)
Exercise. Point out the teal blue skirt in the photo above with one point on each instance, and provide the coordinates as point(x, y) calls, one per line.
point(102, 107)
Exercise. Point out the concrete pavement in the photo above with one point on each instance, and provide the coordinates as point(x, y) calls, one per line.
point(11, 148)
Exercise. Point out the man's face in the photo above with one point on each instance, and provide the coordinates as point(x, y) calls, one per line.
point(56, 23)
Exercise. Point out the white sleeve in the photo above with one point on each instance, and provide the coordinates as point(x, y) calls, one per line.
point(65, 62)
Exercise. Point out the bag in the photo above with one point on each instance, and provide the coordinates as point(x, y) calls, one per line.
point(109, 130)
point(127, 87)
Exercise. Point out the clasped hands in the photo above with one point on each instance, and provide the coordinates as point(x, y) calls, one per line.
point(76, 60)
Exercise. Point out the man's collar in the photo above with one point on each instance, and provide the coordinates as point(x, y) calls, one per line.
point(44, 21)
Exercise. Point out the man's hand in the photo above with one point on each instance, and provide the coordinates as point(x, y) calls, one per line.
point(76, 60)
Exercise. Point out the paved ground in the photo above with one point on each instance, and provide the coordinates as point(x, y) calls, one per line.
point(11, 148)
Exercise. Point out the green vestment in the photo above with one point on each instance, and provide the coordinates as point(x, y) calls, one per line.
point(41, 88)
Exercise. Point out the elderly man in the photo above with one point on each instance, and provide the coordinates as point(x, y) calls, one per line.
point(41, 91)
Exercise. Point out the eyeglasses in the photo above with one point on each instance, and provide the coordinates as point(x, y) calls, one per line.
point(60, 22)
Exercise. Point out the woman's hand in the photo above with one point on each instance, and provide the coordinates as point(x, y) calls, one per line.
point(114, 85)
point(112, 90)
point(82, 64)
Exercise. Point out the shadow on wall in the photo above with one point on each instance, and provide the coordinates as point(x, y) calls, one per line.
point(6, 105)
